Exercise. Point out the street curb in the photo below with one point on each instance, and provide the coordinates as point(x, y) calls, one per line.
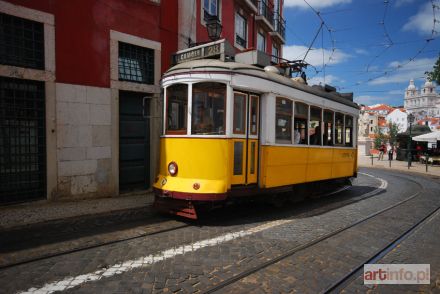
point(400, 170)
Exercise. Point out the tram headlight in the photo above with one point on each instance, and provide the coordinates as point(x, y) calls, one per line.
point(172, 168)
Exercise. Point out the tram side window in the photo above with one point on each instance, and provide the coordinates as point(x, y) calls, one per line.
point(208, 109)
point(315, 132)
point(348, 131)
point(328, 128)
point(239, 113)
point(301, 117)
point(283, 120)
point(339, 128)
point(177, 109)
point(254, 115)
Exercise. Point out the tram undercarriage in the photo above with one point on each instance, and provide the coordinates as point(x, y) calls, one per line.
point(190, 208)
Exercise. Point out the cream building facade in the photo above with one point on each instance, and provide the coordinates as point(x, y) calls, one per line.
point(425, 102)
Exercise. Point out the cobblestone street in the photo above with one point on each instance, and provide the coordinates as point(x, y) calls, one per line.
point(304, 247)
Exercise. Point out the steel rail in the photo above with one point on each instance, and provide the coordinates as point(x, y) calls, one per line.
point(296, 249)
point(345, 280)
point(83, 248)
point(102, 244)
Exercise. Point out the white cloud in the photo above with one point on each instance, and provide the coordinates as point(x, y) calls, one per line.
point(422, 22)
point(413, 70)
point(329, 79)
point(368, 100)
point(361, 52)
point(314, 3)
point(314, 57)
point(403, 2)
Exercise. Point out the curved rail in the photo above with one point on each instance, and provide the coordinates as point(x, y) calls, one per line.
point(296, 249)
point(111, 242)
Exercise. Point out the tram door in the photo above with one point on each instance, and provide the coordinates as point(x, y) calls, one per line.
point(245, 138)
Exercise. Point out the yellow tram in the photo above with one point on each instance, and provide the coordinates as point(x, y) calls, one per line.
point(233, 129)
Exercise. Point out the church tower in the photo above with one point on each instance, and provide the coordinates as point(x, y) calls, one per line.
point(410, 94)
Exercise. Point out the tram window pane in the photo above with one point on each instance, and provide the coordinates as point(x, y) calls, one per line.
point(208, 109)
point(315, 126)
point(283, 120)
point(339, 128)
point(177, 109)
point(348, 131)
point(238, 158)
point(239, 113)
point(254, 115)
point(301, 117)
point(252, 171)
point(328, 128)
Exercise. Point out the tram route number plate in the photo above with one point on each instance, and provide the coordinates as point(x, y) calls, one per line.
point(198, 53)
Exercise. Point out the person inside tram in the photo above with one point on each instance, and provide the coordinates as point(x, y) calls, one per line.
point(203, 121)
point(315, 139)
point(296, 136)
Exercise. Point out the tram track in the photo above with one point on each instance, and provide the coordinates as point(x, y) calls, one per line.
point(88, 247)
point(85, 247)
point(274, 220)
point(350, 276)
point(292, 251)
point(186, 225)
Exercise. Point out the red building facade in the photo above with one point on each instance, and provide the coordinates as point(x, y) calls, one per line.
point(246, 24)
point(80, 109)
point(80, 89)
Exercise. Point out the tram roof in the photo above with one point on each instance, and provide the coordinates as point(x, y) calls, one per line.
point(212, 65)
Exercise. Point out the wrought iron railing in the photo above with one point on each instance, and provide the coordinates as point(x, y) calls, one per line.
point(279, 25)
point(265, 10)
point(240, 41)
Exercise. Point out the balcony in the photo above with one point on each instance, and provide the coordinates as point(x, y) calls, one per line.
point(279, 28)
point(252, 4)
point(265, 14)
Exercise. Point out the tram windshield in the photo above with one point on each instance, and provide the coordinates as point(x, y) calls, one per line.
point(208, 109)
point(177, 107)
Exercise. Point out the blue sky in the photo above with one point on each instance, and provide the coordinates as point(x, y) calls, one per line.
point(369, 47)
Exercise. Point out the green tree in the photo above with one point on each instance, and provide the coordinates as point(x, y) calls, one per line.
point(379, 138)
point(394, 129)
point(434, 75)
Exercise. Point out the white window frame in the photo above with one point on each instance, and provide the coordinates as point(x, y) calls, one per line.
point(261, 36)
point(208, 9)
point(202, 11)
point(277, 49)
point(237, 14)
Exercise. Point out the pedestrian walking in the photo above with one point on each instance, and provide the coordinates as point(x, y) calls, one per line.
point(390, 152)
point(382, 150)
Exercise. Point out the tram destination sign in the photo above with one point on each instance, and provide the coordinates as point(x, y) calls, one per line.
point(209, 50)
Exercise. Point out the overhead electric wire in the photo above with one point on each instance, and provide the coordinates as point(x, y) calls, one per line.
point(323, 23)
point(313, 41)
point(387, 45)
point(414, 56)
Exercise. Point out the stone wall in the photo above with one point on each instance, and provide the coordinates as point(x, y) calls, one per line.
point(84, 141)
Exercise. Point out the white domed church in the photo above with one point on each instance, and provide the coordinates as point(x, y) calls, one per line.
point(425, 102)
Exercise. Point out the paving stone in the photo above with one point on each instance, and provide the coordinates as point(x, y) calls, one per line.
point(196, 271)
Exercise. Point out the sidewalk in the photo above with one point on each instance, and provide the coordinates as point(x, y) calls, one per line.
point(21, 215)
point(365, 161)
